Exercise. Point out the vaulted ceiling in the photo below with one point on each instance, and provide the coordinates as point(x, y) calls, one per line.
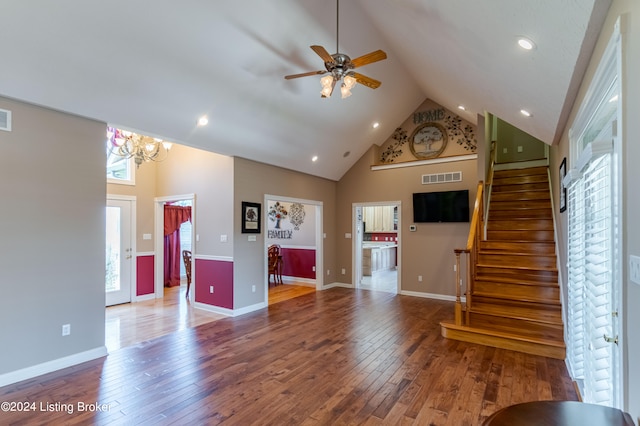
point(155, 66)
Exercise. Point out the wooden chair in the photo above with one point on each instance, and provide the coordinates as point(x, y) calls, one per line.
point(186, 257)
point(274, 262)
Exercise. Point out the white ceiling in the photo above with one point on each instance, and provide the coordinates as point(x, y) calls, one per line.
point(155, 66)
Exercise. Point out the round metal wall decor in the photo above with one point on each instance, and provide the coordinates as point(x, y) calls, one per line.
point(428, 140)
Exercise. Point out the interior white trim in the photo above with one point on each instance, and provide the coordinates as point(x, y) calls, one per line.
point(53, 365)
point(425, 162)
point(211, 257)
point(159, 203)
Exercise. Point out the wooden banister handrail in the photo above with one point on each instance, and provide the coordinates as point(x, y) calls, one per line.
point(476, 218)
point(471, 251)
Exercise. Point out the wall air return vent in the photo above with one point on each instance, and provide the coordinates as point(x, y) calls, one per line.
point(5, 120)
point(442, 178)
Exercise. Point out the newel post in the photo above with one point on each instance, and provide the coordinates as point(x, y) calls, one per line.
point(458, 306)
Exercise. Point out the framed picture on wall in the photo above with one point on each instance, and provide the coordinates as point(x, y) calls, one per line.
point(563, 190)
point(251, 218)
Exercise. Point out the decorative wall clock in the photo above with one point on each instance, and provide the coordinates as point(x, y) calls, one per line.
point(428, 140)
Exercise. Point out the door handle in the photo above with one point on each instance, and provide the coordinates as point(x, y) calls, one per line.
point(610, 339)
point(129, 257)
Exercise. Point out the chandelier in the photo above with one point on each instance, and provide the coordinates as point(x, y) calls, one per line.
point(141, 148)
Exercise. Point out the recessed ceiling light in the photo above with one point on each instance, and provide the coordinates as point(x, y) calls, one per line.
point(203, 121)
point(314, 158)
point(525, 113)
point(526, 43)
point(462, 108)
point(375, 125)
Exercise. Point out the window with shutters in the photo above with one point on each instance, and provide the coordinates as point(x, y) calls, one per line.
point(593, 243)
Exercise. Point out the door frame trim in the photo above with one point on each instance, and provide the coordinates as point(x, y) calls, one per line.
point(158, 243)
point(319, 234)
point(356, 245)
point(134, 267)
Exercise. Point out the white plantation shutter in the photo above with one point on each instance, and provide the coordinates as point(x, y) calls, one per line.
point(598, 280)
point(590, 277)
point(575, 292)
point(594, 242)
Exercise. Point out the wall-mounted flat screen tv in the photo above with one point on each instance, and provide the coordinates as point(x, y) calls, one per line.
point(446, 206)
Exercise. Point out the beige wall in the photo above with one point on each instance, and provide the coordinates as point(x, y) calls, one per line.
point(252, 181)
point(509, 138)
point(210, 177)
point(144, 190)
point(52, 222)
point(630, 12)
point(429, 250)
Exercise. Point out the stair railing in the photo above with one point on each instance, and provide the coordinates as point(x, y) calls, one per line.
point(489, 185)
point(471, 255)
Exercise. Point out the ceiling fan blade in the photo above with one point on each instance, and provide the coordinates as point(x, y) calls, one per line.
point(369, 58)
point(304, 74)
point(322, 52)
point(367, 81)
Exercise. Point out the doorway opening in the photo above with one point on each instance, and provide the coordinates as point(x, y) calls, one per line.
point(377, 246)
point(186, 237)
point(295, 226)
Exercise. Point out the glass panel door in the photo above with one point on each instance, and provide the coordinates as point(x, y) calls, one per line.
point(119, 254)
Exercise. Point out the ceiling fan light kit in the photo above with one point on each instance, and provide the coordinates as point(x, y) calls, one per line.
point(340, 66)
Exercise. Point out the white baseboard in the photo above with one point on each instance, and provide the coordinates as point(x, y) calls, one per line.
point(332, 285)
point(306, 282)
point(230, 312)
point(215, 309)
point(150, 296)
point(430, 295)
point(50, 366)
point(251, 308)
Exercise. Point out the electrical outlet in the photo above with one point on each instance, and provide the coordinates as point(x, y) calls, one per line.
point(223, 238)
point(313, 268)
point(253, 288)
point(328, 272)
point(454, 268)
point(66, 329)
point(520, 148)
point(211, 289)
point(634, 269)
point(344, 271)
point(419, 278)
point(504, 150)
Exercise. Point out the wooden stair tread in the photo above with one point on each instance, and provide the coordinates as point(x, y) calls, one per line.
point(520, 281)
point(539, 316)
point(486, 331)
point(518, 267)
point(506, 296)
point(528, 344)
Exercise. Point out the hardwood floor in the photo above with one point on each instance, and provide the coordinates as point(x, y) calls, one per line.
point(132, 323)
point(338, 356)
point(284, 292)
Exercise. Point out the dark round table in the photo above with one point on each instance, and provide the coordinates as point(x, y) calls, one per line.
point(558, 413)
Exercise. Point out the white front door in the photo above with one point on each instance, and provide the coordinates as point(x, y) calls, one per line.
point(119, 252)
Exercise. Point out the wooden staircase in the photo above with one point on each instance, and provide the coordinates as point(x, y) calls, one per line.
point(513, 298)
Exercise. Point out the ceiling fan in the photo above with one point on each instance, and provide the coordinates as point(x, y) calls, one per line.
point(340, 67)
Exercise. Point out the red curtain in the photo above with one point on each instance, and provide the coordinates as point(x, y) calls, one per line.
point(174, 216)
